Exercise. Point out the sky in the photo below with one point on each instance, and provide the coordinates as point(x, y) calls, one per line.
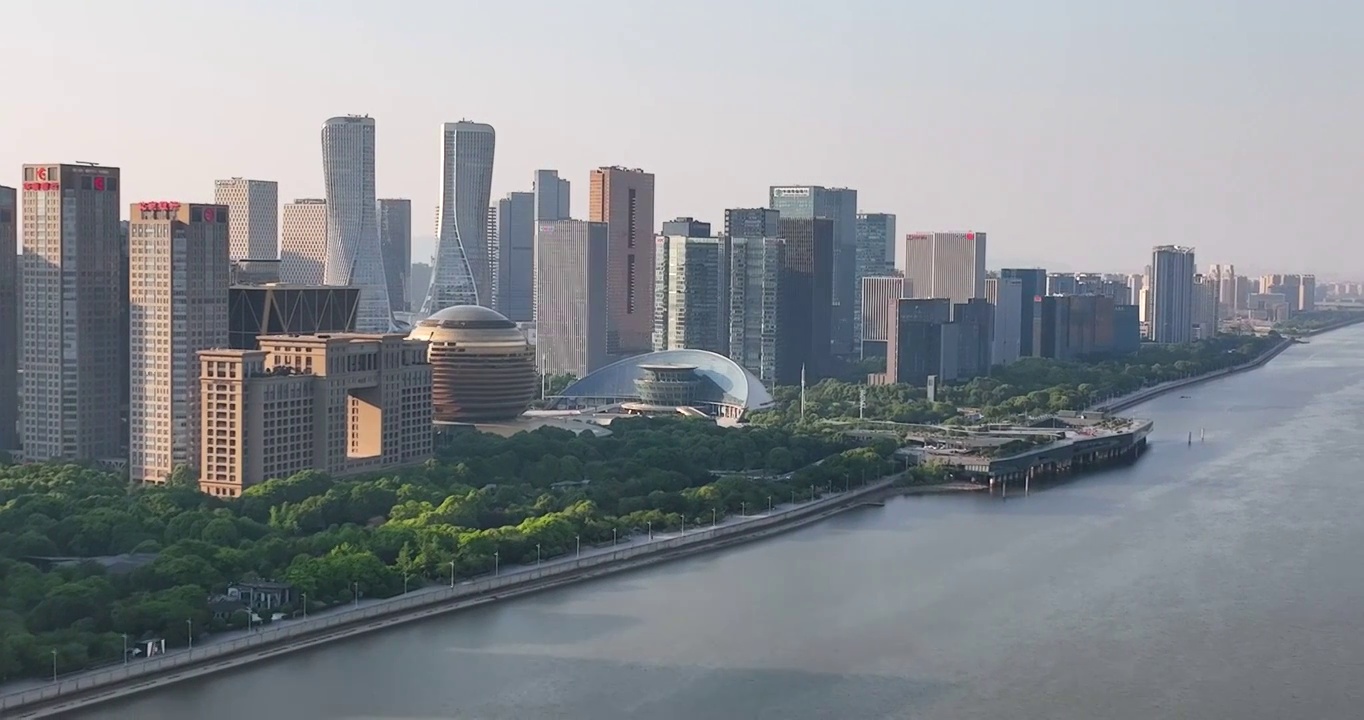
point(1077, 133)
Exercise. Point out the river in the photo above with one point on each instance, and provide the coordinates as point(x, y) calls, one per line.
point(1218, 580)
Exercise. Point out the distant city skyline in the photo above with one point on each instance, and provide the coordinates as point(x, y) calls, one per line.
point(1089, 129)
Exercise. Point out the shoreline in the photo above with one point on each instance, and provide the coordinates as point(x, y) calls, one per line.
point(103, 686)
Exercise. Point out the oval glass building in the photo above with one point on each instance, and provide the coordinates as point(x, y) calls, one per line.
point(482, 366)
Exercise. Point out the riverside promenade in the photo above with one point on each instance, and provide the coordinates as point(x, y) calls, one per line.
point(99, 686)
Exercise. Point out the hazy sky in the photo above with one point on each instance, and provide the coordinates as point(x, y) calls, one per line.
point(1078, 133)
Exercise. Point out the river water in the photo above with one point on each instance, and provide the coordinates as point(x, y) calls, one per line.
point(1218, 580)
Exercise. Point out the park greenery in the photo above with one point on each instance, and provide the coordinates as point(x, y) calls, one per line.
point(1029, 387)
point(1314, 320)
point(482, 494)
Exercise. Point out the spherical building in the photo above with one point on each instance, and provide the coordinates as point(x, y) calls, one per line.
point(482, 367)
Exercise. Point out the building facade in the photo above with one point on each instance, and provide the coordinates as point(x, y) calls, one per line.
point(1034, 285)
point(875, 257)
point(180, 262)
point(353, 255)
point(9, 319)
point(514, 276)
point(462, 274)
point(624, 199)
point(395, 244)
point(254, 311)
point(303, 242)
point(482, 367)
point(691, 292)
point(1205, 313)
point(923, 342)
point(1006, 294)
point(756, 269)
point(949, 265)
point(1171, 294)
point(752, 222)
point(807, 299)
point(880, 297)
point(552, 199)
point(686, 227)
point(253, 212)
point(975, 321)
point(73, 303)
point(839, 206)
point(571, 317)
point(342, 404)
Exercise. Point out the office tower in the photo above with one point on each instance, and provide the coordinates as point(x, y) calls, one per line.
point(838, 205)
point(752, 222)
point(1290, 286)
point(975, 321)
point(253, 212)
point(686, 227)
point(124, 336)
point(71, 314)
point(1171, 294)
point(9, 319)
point(515, 279)
point(923, 342)
point(462, 275)
point(1062, 284)
point(1074, 326)
point(180, 261)
point(1205, 307)
point(756, 268)
point(1006, 294)
point(353, 255)
point(880, 295)
point(875, 257)
point(1034, 282)
point(343, 404)
point(303, 242)
point(257, 308)
point(807, 299)
point(691, 287)
point(571, 316)
point(948, 265)
point(1307, 293)
point(421, 282)
point(395, 244)
point(551, 196)
point(1126, 329)
point(624, 200)
point(1225, 277)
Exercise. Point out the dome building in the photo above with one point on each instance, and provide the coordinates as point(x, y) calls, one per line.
point(482, 366)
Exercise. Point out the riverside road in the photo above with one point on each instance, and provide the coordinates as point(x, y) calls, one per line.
point(1212, 580)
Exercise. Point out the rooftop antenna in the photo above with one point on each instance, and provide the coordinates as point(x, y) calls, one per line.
point(87, 162)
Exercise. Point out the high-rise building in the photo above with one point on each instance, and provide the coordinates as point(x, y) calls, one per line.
point(838, 205)
point(1006, 294)
point(875, 257)
point(180, 262)
point(1205, 307)
point(1034, 282)
point(342, 404)
point(1290, 286)
point(949, 265)
point(1074, 326)
point(395, 244)
point(515, 277)
point(303, 242)
point(1126, 329)
point(756, 269)
point(551, 196)
point(624, 200)
point(1225, 277)
point(571, 317)
point(806, 300)
point(9, 319)
point(72, 314)
point(923, 342)
point(1171, 294)
point(880, 297)
point(482, 367)
point(1307, 293)
point(1062, 284)
point(686, 227)
point(752, 222)
point(354, 257)
point(691, 287)
point(462, 274)
point(421, 282)
point(253, 206)
point(975, 321)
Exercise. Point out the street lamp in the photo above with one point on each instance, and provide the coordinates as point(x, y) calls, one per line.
point(650, 523)
point(189, 623)
point(405, 577)
point(452, 574)
point(613, 537)
point(537, 553)
point(743, 509)
point(578, 540)
point(812, 493)
point(355, 589)
point(305, 606)
point(54, 665)
point(497, 562)
point(125, 648)
point(712, 517)
point(684, 525)
point(769, 504)
point(793, 497)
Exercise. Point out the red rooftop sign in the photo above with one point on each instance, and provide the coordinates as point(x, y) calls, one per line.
point(161, 205)
point(42, 186)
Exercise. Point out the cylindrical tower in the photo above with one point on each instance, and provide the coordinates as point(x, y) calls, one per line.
point(483, 368)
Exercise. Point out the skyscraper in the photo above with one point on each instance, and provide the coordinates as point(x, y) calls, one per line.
point(571, 317)
point(180, 262)
point(1006, 294)
point(462, 275)
point(253, 206)
point(756, 269)
point(515, 244)
point(975, 321)
point(691, 285)
point(923, 342)
point(353, 253)
point(751, 222)
point(806, 300)
point(1171, 294)
point(624, 199)
point(9, 319)
point(838, 205)
point(1225, 277)
point(72, 312)
point(880, 296)
point(686, 227)
point(551, 196)
point(395, 244)
point(303, 242)
point(1307, 293)
point(947, 265)
point(1034, 285)
point(875, 256)
point(1205, 306)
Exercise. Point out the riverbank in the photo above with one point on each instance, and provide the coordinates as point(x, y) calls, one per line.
point(98, 687)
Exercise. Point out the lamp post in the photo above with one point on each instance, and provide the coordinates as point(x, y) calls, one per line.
point(769, 504)
point(54, 665)
point(650, 523)
point(189, 624)
point(125, 648)
point(713, 516)
point(812, 493)
point(743, 509)
point(405, 577)
point(684, 525)
point(537, 554)
point(793, 497)
point(613, 537)
point(355, 591)
point(452, 574)
point(497, 562)
point(305, 606)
